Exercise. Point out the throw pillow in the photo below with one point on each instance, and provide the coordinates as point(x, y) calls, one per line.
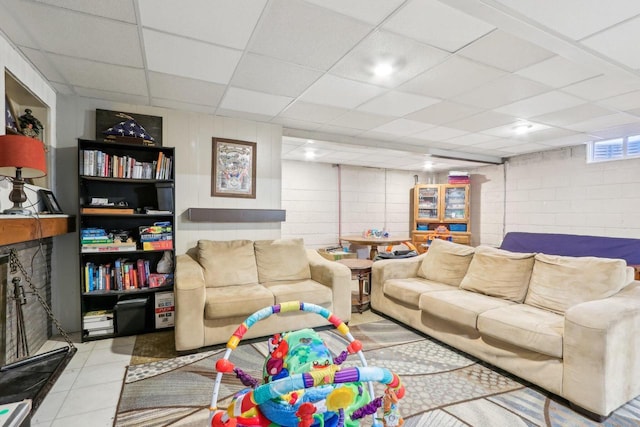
point(446, 262)
point(227, 263)
point(559, 282)
point(284, 259)
point(499, 273)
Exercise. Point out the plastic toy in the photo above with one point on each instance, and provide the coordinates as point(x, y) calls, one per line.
point(303, 383)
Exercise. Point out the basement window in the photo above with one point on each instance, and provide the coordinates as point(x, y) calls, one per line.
point(613, 149)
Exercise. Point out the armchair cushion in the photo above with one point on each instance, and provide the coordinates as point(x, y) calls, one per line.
point(227, 301)
point(284, 259)
point(227, 263)
point(300, 290)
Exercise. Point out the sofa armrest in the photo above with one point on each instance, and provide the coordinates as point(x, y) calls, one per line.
point(602, 351)
point(189, 289)
point(402, 268)
point(335, 276)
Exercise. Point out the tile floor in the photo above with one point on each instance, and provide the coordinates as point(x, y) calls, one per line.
point(86, 393)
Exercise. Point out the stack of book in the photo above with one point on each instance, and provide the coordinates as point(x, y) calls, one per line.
point(97, 240)
point(158, 236)
point(98, 322)
point(458, 177)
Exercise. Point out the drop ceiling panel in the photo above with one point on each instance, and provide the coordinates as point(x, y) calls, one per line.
point(436, 24)
point(12, 26)
point(370, 11)
point(401, 127)
point(397, 104)
point(360, 120)
point(504, 90)
point(254, 102)
point(120, 10)
point(438, 133)
point(41, 61)
point(575, 18)
point(571, 115)
point(407, 57)
point(602, 87)
point(125, 98)
point(558, 72)
point(339, 92)
point(502, 50)
point(603, 122)
point(305, 34)
point(625, 102)
point(540, 104)
point(443, 112)
point(470, 139)
point(619, 43)
point(271, 75)
point(84, 36)
point(189, 58)
point(183, 106)
point(455, 76)
point(482, 121)
point(223, 22)
point(185, 90)
point(300, 110)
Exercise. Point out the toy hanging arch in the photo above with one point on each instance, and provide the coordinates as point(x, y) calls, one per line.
point(304, 385)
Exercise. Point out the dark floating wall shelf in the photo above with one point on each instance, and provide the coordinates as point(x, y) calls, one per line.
point(235, 215)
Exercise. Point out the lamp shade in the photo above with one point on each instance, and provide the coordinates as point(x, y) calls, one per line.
point(18, 151)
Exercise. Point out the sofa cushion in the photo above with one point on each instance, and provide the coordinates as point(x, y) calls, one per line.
point(227, 263)
point(499, 273)
point(305, 290)
point(233, 301)
point(459, 306)
point(559, 282)
point(524, 326)
point(409, 290)
point(446, 262)
point(284, 259)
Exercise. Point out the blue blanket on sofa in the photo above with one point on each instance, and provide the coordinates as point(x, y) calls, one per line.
point(574, 245)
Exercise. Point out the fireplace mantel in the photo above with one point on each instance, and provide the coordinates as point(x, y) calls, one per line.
point(18, 228)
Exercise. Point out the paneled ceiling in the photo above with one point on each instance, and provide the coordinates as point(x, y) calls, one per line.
point(466, 75)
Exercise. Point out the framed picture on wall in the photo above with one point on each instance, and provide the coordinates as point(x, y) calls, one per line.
point(233, 168)
point(49, 201)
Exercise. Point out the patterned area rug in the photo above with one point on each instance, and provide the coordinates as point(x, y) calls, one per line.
point(444, 387)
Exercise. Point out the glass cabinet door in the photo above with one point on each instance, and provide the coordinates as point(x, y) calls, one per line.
point(455, 203)
point(428, 203)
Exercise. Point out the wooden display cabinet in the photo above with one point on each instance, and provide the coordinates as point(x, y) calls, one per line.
point(440, 211)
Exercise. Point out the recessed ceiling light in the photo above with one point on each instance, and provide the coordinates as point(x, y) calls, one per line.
point(428, 166)
point(523, 128)
point(383, 69)
point(309, 155)
point(310, 141)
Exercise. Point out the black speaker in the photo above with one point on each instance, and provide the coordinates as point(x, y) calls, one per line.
point(165, 196)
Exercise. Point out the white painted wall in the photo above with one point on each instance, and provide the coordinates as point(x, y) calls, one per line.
point(369, 198)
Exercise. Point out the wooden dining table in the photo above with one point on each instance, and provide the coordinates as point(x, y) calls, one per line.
point(374, 242)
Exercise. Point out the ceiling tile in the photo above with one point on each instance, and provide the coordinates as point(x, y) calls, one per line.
point(183, 106)
point(244, 115)
point(438, 133)
point(545, 134)
point(397, 104)
point(504, 90)
point(62, 89)
point(96, 75)
point(369, 11)
point(189, 58)
point(557, 72)
point(619, 43)
point(401, 127)
point(300, 110)
point(254, 102)
point(602, 87)
point(509, 131)
point(603, 122)
point(494, 143)
point(84, 36)
point(540, 104)
point(295, 124)
point(305, 34)
point(575, 18)
point(482, 121)
point(360, 120)
point(443, 112)
point(104, 95)
point(339, 92)
point(185, 90)
point(42, 63)
point(121, 10)
point(339, 130)
point(619, 131)
point(436, 24)
point(407, 57)
point(530, 147)
point(625, 102)
point(502, 50)
point(470, 139)
point(224, 22)
point(271, 75)
point(453, 77)
point(13, 27)
point(571, 115)
point(577, 139)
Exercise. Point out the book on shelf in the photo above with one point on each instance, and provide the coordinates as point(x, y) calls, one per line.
point(92, 325)
point(108, 247)
point(99, 332)
point(156, 237)
point(97, 315)
point(112, 210)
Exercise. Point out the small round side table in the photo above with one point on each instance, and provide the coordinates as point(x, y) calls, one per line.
point(361, 270)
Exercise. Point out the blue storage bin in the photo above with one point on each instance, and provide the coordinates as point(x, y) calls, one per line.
point(458, 227)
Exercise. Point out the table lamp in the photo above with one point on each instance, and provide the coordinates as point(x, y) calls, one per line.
point(21, 157)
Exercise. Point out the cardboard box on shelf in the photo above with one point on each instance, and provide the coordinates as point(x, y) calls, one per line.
point(164, 310)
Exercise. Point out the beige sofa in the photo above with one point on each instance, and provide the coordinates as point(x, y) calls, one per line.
point(218, 284)
point(570, 325)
